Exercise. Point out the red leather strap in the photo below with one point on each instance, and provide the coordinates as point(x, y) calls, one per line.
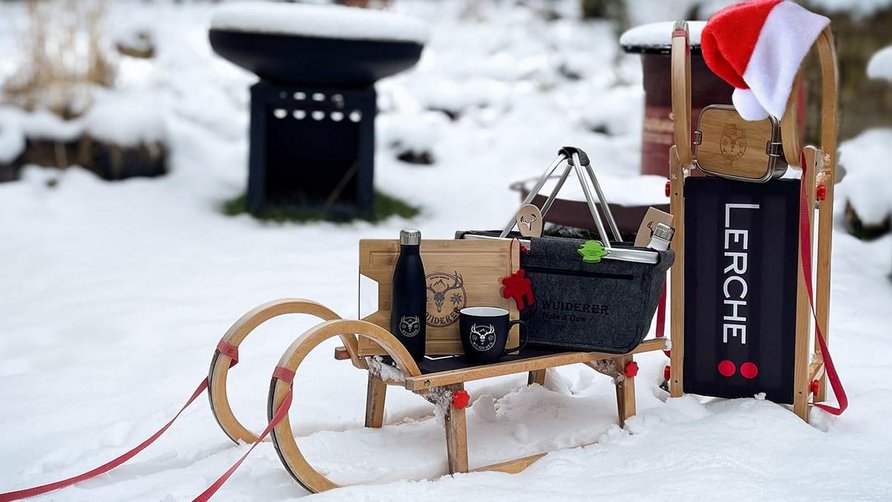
point(39, 490)
point(229, 350)
point(279, 415)
point(805, 250)
point(283, 374)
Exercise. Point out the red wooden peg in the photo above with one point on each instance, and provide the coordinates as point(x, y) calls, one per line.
point(461, 399)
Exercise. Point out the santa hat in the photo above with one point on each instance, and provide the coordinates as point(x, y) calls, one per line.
point(758, 47)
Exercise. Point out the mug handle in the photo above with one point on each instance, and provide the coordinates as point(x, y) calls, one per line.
point(523, 340)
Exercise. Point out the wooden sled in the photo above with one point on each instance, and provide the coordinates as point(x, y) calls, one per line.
point(809, 371)
point(436, 380)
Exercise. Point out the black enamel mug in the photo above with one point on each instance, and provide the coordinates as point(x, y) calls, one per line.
point(484, 333)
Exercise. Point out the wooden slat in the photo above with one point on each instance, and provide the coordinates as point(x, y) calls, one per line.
point(511, 466)
point(443, 378)
point(341, 354)
point(518, 464)
point(815, 370)
point(456, 436)
point(676, 292)
point(829, 110)
point(625, 393)
point(536, 376)
point(791, 125)
point(803, 310)
point(374, 402)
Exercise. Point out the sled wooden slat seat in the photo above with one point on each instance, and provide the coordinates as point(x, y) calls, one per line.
point(452, 370)
point(438, 381)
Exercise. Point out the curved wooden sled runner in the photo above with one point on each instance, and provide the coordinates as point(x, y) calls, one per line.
point(226, 356)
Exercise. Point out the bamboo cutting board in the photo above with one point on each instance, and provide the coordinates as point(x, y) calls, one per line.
point(460, 273)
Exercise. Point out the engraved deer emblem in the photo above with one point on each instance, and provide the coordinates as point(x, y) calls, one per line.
point(410, 326)
point(440, 288)
point(483, 336)
point(529, 221)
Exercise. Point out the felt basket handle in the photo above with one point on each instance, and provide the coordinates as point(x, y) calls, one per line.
point(576, 160)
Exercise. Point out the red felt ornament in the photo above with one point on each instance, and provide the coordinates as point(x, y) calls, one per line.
point(519, 287)
point(461, 399)
point(631, 369)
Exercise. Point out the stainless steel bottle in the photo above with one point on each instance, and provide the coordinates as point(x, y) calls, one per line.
point(661, 237)
point(408, 316)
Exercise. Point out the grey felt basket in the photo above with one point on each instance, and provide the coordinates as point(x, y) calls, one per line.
point(606, 306)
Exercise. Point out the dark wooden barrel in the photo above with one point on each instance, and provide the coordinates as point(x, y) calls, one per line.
point(653, 42)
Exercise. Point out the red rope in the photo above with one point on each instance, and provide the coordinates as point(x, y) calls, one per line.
point(40, 490)
point(223, 347)
point(805, 250)
point(279, 415)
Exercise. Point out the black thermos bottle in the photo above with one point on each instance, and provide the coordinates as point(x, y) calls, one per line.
point(408, 315)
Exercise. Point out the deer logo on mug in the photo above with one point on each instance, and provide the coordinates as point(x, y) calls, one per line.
point(483, 337)
point(410, 325)
point(733, 142)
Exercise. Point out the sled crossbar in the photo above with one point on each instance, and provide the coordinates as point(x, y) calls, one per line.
point(431, 380)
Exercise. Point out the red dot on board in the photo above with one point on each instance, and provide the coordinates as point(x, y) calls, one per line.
point(727, 368)
point(749, 370)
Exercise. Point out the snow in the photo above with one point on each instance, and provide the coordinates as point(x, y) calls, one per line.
point(622, 190)
point(12, 139)
point(126, 119)
point(868, 184)
point(42, 124)
point(417, 133)
point(329, 21)
point(880, 64)
point(114, 296)
point(858, 8)
point(650, 11)
point(659, 35)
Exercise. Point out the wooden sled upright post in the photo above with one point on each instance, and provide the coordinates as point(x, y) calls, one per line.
point(680, 164)
point(818, 179)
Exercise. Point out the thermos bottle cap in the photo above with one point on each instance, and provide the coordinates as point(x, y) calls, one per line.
point(664, 231)
point(410, 237)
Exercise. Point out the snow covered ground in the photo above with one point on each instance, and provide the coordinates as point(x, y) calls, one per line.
point(114, 295)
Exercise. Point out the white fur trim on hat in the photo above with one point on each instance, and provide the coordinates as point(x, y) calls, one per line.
point(784, 40)
point(747, 105)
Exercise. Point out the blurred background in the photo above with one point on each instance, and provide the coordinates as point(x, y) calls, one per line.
point(104, 85)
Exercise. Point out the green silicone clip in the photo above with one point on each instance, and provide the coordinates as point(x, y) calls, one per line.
point(592, 251)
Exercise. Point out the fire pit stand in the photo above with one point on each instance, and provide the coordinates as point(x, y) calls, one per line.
point(311, 147)
point(313, 111)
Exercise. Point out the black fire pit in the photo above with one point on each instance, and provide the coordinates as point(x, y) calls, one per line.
point(313, 111)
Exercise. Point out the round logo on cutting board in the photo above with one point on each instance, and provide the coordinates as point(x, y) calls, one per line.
point(446, 296)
